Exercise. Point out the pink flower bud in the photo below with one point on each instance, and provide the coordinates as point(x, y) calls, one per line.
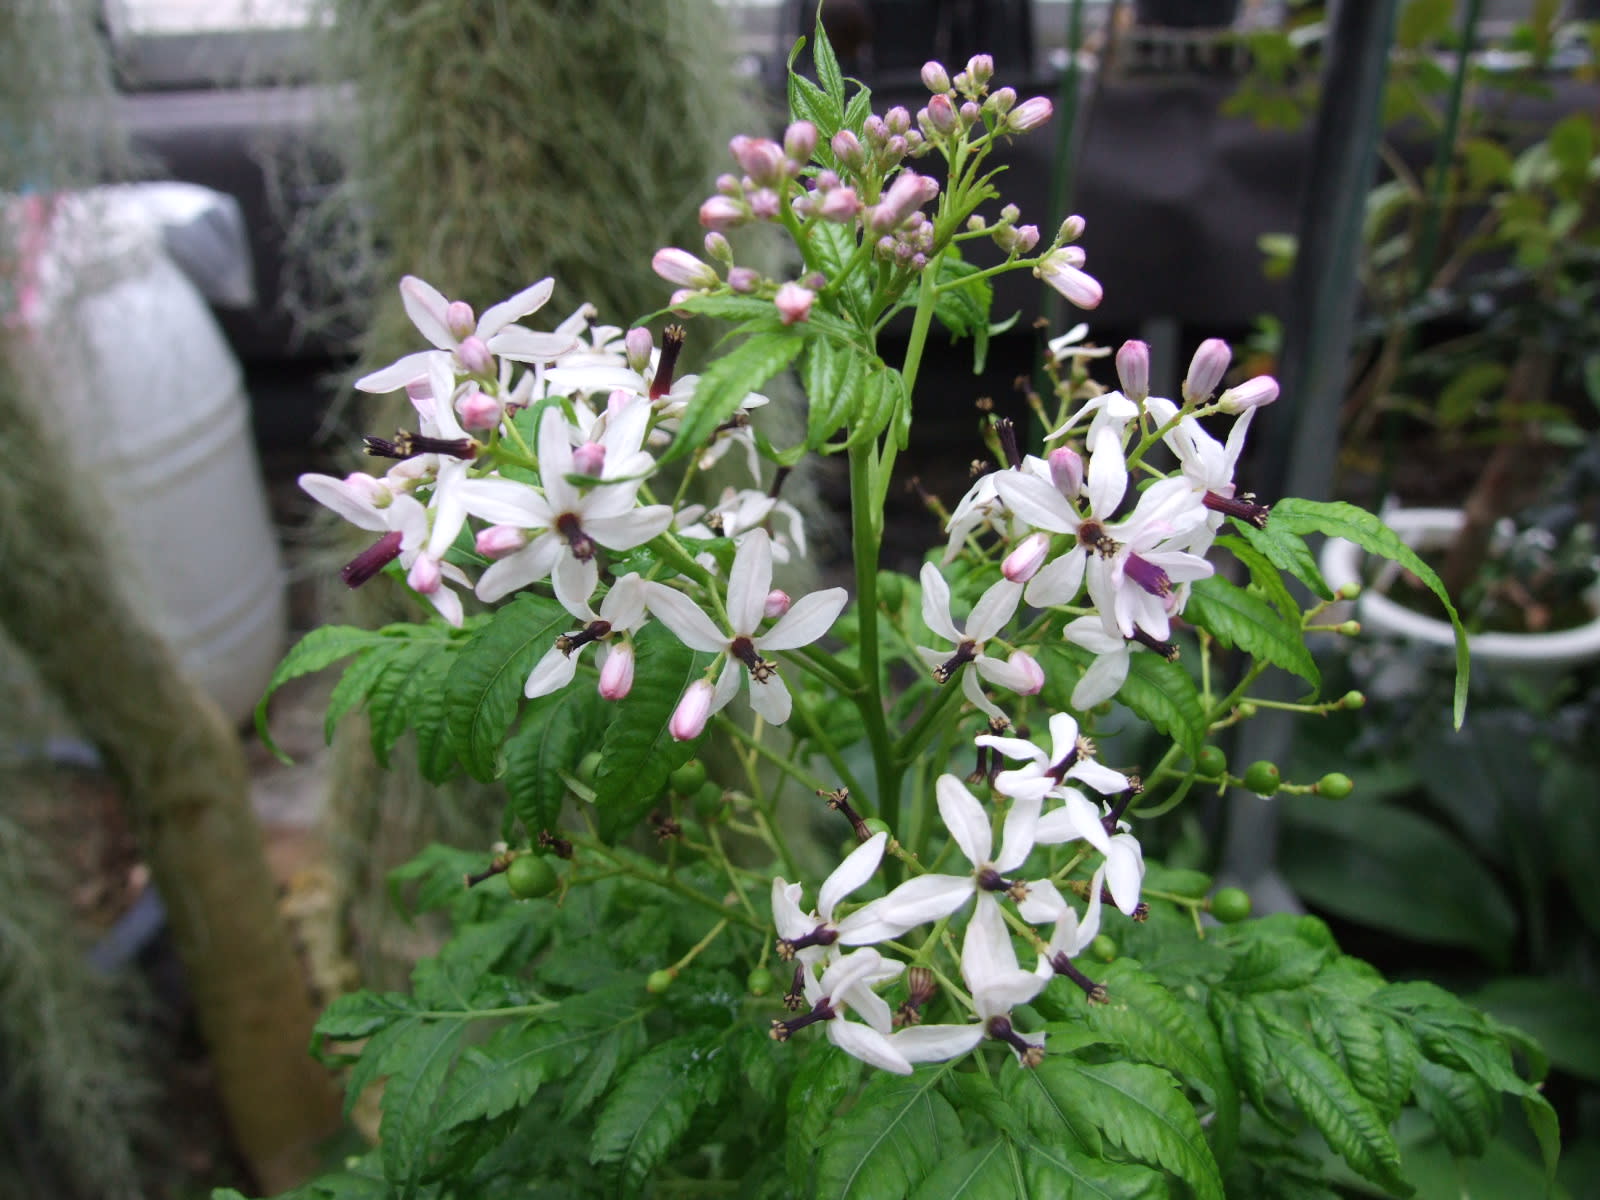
point(478, 409)
point(1252, 393)
point(459, 320)
point(905, 195)
point(693, 711)
point(941, 115)
point(729, 185)
point(840, 205)
point(722, 213)
point(1035, 673)
point(897, 120)
point(682, 269)
point(424, 577)
point(826, 181)
point(760, 158)
point(815, 280)
point(1079, 288)
point(1029, 115)
point(475, 356)
point(1071, 229)
point(497, 541)
point(935, 78)
point(744, 280)
point(1002, 101)
point(980, 69)
point(895, 148)
point(794, 302)
point(847, 149)
point(680, 297)
point(1133, 370)
point(1027, 238)
point(1023, 563)
point(589, 459)
point(764, 204)
point(717, 248)
point(1206, 369)
point(777, 604)
point(1066, 471)
point(637, 346)
point(971, 113)
point(800, 141)
point(616, 673)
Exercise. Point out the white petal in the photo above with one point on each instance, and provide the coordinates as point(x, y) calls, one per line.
point(749, 582)
point(631, 529)
point(869, 1006)
point(1102, 680)
point(1063, 735)
point(915, 902)
point(936, 604)
point(552, 673)
point(1090, 633)
point(858, 867)
point(1011, 747)
point(1016, 836)
point(807, 620)
point(1098, 776)
point(1020, 673)
point(1077, 819)
point(849, 970)
point(727, 683)
point(787, 915)
point(684, 617)
point(770, 698)
point(868, 1045)
point(965, 818)
point(335, 494)
point(1044, 903)
point(448, 604)
point(936, 1043)
point(624, 605)
point(1029, 783)
point(1037, 502)
point(524, 345)
point(574, 580)
point(1108, 475)
point(1058, 581)
point(1124, 872)
point(532, 563)
point(397, 374)
point(427, 307)
point(505, 502)
point(530, 299)
point(994, 608)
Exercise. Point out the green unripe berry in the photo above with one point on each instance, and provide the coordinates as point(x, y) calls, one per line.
point(659, 981)
point(1350, 628)
point(1231, 905)
point(708, 801)
point(1210, 762)
point(891, 590)
point(1352, 700)
point(1247, 710)
point(1335, 786)
point(1348, 591)
point(686, 780)
point(588, 767)
point(1262, 778)
point(1104, 948)
point(529, 876)
point(760, 981)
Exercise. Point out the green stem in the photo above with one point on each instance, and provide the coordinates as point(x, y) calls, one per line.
point(666, 882)
point(800, 775)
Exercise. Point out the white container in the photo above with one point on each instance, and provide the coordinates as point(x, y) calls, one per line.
point(142, 383)
point(1431, 529)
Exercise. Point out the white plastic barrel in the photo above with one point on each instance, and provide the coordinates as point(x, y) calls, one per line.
point(153, 404)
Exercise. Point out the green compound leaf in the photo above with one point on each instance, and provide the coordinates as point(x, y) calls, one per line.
point(415, 1059)
point(639, 752)
point(1349, 1123)
point(318, 649)
point(359, 680)
point(1142, 1110)
point(821, 1083)
point(408, 695)
point(1286, 551)
point(554, 733)
point(484, 685)
point(727, 382)
point(652, 1106)
point(1236, 618)
point(1264, 576)
point(1164, 694)
point(1463, 1108)
point(989, 1172)
point(832, 375)
point(1056, 1172)
point(1337, 519)
point(897, 1133)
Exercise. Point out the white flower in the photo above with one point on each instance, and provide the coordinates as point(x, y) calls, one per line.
point(466, 342)
point(1208, 465)
point(1124, 858)
point(570, 520)
point(809, 936)
point(1109, 671)
point(621, 612)
point(1047, 773)
point(1020, 673)
point(998, 984)
point(749, 584)
point(1070, 938)
point(1071, 345)
point(982, 507)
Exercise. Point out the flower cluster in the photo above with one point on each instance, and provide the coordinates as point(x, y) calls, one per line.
point(531, 467)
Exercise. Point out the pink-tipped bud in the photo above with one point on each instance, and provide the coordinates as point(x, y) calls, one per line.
point(1027, 238)
point(680, 297)
point(941, 115)
point(717, 248)
point(1252, 393)
point(475, 356)
point(760, 158)
point(1071, 229)
point(459, 319)
point(478, 409)
point(840, 205)
point(497, 541)
point(637, 345)
point(729, 185)
point(693, 711)
point(1023, 563)
point(971, 113)
point(815, 280)
point(722, 213)
point(847, 149)
point(424, 578)
point(1030, 114)
point(826, 181)
point(875, 129)
point(616, 673)
point(1002, 101)
point(897, 120)
point(1059, 272)
point(905, 195)
point(744, 280)
point(794, 302)
point(800, 142)
point(980, 69)
point(935, 78)
point(777, 604)
point(1133, 370)
point(764, 204)
point(682, 269)
point(1032, 671)
point(1066, 471)
point(1206, 369)
point(589, 459)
